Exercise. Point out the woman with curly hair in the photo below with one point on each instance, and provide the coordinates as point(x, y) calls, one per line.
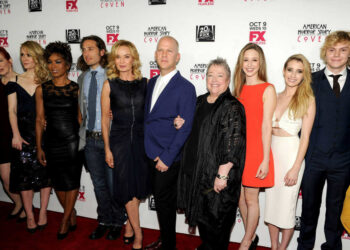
point(295, 111)
point(124, 93)
point(57, 102)
point(27, 174)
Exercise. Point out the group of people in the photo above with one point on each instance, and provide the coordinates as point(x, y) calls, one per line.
point(205, 155)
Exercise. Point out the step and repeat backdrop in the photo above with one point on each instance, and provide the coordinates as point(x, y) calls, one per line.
point(205, 30)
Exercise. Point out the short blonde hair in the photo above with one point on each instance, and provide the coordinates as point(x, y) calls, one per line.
point(41, 71)
point(333, 38)
point(112, 71)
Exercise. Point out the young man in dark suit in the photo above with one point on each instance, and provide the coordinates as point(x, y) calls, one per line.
point(328, 156)
point(168, 95)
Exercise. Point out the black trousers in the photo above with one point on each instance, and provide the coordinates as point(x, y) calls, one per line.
point(335, 169)
point(216, 239)
point(164, 191)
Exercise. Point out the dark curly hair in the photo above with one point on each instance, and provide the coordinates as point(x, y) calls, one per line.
point(81, 64)
point(63, 49)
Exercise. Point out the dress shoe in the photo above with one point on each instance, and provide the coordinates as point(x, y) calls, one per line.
point(128, 240)
point(99, 232)
point(72, 228)
point(254, 243)
point(155, 245)
point(21, 219)
point(113, 233)
point(14, 216)
point(42, 227)
point(32, 230)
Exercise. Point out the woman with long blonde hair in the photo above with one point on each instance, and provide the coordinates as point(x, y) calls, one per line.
point(295, 111)
point(259, 100)
point(27, 175)
point(124, 94)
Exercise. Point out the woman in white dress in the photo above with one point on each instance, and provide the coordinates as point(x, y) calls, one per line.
point(295, 111)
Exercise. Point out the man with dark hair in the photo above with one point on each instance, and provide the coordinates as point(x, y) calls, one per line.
point(328, 156)
point(93, 62)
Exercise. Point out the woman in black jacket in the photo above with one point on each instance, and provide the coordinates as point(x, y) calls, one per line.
point(213, 159)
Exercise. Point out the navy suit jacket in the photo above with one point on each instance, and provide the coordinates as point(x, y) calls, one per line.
point(161, 137)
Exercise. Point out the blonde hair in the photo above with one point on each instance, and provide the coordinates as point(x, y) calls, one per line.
point(112, 71)
point(332, 39)
point(239, 78)
point(300, 101)
point(41, 71)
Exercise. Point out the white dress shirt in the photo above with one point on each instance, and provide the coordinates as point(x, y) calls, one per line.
point(160, 85)
point(341, 79)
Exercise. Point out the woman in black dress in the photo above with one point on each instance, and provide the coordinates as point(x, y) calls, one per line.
point(7, 74)
point(124, 93)
point(209, 181)
point(57, 103)
point(27, 174)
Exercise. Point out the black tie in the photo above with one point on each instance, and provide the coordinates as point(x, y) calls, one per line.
point(336, 86)
point(92, 101)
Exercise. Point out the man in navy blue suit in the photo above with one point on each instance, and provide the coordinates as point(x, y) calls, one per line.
point(168, 95)
point(328, 156)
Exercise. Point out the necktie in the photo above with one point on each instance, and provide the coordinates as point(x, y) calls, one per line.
point(92, 101)
point(336, 86)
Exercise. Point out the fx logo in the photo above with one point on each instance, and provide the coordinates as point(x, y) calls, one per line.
point(206, 1)
point(112, 38)
point(81, 196)
point(257, 36)
point(154, 72)
point(3, 42)
point(71, 5)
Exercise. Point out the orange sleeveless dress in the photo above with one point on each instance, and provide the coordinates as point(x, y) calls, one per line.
point(252, 99)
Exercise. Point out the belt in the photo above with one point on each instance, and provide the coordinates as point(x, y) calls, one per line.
point(93, 134)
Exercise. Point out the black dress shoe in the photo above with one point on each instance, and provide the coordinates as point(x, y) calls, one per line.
point(14, 216)
point(99, 232)
point(254, 243)
point(72, 227)
point(155, 245)
point(128, 240)
point(32, 230)
point(114, 233)
point(21, 219)
point(42, 227)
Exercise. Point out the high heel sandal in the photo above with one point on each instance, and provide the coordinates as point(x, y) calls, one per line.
point(128, 240)
point(254, 243)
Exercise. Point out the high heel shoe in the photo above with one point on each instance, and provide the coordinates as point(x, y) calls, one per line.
point(72, 226)
point(128, 240)
point(141, 243)
point(32, 230)
point(61, 236)
point(14, 216)
point(42, 227)
point(254, 243)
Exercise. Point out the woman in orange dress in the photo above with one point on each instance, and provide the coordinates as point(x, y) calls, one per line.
point(259, 100)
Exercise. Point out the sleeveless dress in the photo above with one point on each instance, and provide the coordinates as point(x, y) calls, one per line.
point(131, 173)
point(281, 200)
point(26, 171)
point(252, 99)
point(61, 135)
point(5, 128)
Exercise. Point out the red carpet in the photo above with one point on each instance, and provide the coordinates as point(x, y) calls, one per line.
point(14, 235)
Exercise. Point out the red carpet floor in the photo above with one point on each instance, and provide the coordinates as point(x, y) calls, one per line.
point(13, 235)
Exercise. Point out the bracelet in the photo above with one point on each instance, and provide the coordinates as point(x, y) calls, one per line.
point(222, 177)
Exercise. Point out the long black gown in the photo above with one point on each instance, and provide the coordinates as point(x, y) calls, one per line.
point(61, 136)
point(26, 171)
point(131, 174)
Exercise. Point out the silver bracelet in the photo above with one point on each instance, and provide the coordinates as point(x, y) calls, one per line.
point(222, 177)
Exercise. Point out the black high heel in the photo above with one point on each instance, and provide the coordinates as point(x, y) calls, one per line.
point(71, 226)
point(14, 216)
point(42, 227)
point(141, 243)
point(32, 230)
point(254, 243)
point(62, 236)
point(128, 240)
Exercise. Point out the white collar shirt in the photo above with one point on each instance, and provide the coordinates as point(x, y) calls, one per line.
point(341, 79)
point(160, 85)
